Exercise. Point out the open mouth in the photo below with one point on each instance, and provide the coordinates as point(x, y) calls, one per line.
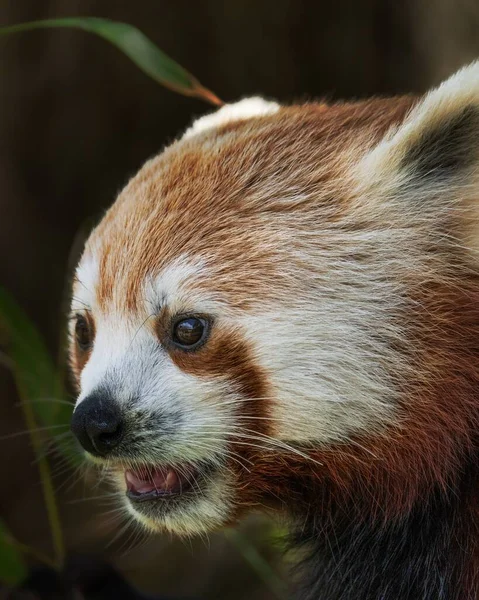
point(150, 483)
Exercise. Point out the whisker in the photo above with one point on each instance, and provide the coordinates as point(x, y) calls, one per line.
point(9, 436)
point(76, 299)
point(52, 400)
point(267, 439)
point(138, 330)
point(120, 532)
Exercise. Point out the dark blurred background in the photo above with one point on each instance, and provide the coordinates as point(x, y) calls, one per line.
point(77, 119)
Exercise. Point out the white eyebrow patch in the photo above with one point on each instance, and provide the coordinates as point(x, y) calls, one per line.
point(174, 285)
point(238, 111)
point(87, 275)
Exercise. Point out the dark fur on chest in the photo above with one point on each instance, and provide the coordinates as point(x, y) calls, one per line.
point(429, 554)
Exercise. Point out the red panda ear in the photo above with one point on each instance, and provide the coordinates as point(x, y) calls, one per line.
point(437, 146)
point(248, 108)
point(428, 166)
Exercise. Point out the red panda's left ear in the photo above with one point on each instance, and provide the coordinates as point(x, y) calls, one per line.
point(437, 146)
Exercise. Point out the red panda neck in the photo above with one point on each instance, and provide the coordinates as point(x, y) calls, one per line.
point(431, 553)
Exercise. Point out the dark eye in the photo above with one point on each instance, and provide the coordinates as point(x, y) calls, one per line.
point(189, 332)
point(83, 333)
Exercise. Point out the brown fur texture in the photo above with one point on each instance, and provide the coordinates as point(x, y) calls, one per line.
point(227, 215)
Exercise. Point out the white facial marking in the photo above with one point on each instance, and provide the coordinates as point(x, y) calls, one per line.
point(210, 511)
point(87, 275)
point(329, 352)
point(174, 286)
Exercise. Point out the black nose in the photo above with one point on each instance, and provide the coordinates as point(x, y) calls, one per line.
point(97, 424)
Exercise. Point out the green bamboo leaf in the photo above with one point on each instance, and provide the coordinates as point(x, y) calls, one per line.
point(32, 363)
point(140, 49)
point(36, 374)
point(12, 566)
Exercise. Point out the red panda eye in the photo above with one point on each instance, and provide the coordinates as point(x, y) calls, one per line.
point(189, 332)
point(83, 334)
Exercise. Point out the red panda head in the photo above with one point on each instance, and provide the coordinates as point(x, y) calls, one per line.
point(284, 302)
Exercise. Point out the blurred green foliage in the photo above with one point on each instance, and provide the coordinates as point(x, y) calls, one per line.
point(45, 409)
point(35, 372)
point(12, 566)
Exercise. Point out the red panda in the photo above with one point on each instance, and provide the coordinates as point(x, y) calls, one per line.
point(281, 310)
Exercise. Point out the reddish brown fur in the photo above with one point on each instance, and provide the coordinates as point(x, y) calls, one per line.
point(222, 219)
point(225, 354)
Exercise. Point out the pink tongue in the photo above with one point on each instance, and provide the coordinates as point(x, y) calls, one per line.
point(143, 482)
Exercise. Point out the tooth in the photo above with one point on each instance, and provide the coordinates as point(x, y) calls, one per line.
point(143, 489)
point(171, 479)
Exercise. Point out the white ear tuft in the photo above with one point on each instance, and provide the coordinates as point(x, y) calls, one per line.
point(239, 111)
point(438, 143)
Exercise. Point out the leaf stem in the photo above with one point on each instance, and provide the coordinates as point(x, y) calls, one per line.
point(46, 480)
point(25, 549)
